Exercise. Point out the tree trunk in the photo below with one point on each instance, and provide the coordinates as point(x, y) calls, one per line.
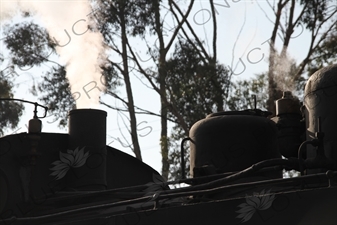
point(162, 89)
point(272, 86)
point(131, 107)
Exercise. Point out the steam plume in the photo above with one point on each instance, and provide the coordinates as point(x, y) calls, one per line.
point(80, 50)
point(283, 72)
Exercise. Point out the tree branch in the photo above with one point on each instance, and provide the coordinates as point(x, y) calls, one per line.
point(174, 109)
point(192, 31)
point(180, 24)
point(312, 48)
point(214, 31)
point(193, 44)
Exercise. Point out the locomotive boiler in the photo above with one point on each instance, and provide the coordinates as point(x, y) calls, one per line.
point(236, 163)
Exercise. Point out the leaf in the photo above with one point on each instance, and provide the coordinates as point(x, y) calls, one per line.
point(266, 202)
point(62, 173)
point(86, 155)
point(242, 205)
point(59, 166)
point(246, 209)
point(248, 216)
point(76, 151)
point(78, 156)
point(54, 173)
point(80, 163)
point(70, 152)
point(57, 162)
point(67, 158)
point(246, 212)
point(260, 201)
point(253, 201)
point(266, 206)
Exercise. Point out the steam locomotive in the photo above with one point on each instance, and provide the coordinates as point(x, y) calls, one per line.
point(236, 164)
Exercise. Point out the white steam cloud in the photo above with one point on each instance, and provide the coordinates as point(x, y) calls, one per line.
point(80, 50)
point(283, 72)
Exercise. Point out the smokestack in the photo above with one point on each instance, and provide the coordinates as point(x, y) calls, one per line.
point(87, 140)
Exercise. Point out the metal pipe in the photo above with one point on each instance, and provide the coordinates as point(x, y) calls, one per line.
point(182, 155)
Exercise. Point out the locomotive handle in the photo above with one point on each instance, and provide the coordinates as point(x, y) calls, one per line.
point(34, 103)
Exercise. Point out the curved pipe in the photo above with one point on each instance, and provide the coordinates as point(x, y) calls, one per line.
point(182, 155)
point(34, 103)
point(313, 142)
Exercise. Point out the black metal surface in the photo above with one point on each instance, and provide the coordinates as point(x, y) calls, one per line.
point(321, 102)
point(290, 206)
point(77, 179)
point(87, 127)
point(287, 104)
point(87, 133)
point(290, 133)
point(122, 170)
point(232, 142)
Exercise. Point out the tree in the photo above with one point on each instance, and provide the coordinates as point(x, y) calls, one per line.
point(324, 54)
point(183, 30)
point(118, 20)
point(132, 21)
point(31, 46)
point(157, 77)
point(55, 90)
point(196, 89)
point(10, 111)
point(28, 43)
point(242, 92)
point(313, 15)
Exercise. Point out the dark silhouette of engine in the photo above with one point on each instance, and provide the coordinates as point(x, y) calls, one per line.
point(236, 164)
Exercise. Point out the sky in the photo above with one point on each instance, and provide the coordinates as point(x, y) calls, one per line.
point(240, 23)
